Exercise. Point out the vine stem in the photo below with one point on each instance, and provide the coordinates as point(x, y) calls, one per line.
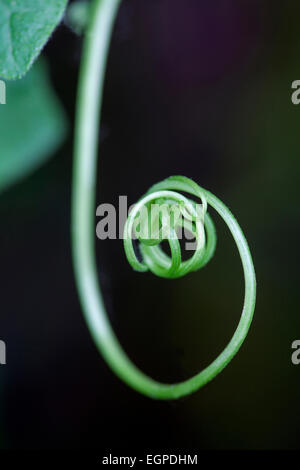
point(89, 103)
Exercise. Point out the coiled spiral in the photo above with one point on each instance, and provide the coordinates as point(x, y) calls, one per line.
point(160, 214)
point(103, 13)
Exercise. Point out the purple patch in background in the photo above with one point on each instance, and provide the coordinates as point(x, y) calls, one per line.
point(196, 41)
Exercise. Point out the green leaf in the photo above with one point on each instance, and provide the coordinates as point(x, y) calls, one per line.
point(77, 16)
point(32, 125)
point(25, 27)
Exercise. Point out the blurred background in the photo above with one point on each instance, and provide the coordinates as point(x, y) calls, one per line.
point(201, 89)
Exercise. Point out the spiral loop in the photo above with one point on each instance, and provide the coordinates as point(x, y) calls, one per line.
point(161, 215)
point(91, 81)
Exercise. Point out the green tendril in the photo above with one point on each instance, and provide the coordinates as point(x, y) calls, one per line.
point(162, 228)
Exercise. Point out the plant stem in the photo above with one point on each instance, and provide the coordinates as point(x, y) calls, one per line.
point(89, 104)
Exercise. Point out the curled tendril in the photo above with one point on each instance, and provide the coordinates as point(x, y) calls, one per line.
point(173, 211)
point(96, 46)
